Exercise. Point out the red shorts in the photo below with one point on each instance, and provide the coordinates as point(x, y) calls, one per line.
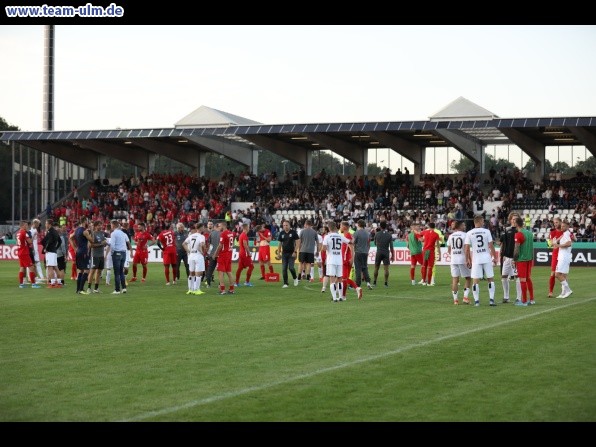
point(264, 254)
point(345, 271)
point(554, 260)
point(25, 260)
point(170, 257)
point(244, 261)
point(224, 263)
point(429, 258)
point(140, 257)
point(524, 269)
point(416, 259)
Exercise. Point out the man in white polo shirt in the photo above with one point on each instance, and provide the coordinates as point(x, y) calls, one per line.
point(564, 261)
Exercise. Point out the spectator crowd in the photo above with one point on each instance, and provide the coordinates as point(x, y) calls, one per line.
point(159, 200)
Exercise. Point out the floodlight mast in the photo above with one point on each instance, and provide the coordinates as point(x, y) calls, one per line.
point(47, 180)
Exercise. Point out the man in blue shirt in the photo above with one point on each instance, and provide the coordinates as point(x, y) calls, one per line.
point(119, 244)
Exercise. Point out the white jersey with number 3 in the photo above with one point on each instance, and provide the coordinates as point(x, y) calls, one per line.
point(479, 239)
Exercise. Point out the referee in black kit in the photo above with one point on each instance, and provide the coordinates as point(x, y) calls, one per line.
point(286, 249)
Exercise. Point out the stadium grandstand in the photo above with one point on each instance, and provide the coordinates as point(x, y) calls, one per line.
point(77, 181)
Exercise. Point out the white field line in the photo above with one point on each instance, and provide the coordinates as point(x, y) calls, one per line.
point(240, 392)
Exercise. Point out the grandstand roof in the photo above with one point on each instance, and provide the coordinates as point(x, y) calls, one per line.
point(206, 129)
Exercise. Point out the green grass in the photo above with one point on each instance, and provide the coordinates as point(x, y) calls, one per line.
point(265, 354)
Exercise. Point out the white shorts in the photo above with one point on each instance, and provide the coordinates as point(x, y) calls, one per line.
point(318, 258)
point(107, 263)
point(51, 260)
point(335, 270)
point(460, 271)
point(35, 256)
point(509, 268)
point(196, 262)
point(480, 271)
point(563, 263)
point(128, 259)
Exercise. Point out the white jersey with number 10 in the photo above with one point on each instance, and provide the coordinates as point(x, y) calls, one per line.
point(456, 242)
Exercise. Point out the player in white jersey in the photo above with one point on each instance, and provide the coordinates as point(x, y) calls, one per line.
point(35, 224)
point(128, 259)
point(459, 269)
point(480, 257)
point(108, 265)
point(334, 262)
point(194, 245)
point(564, 260)
point(318, 260)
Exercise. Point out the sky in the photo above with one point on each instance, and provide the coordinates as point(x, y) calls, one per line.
point(141, 76)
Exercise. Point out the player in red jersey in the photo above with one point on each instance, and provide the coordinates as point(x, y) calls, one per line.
point(143, 239)
point(263, 239)
point(166, 240)
point(347, 255)
point(24, 244)
point(245, 257)
point(430, 244)
point(223, 254)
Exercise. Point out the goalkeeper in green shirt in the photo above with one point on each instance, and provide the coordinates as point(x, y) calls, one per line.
point(415, 247)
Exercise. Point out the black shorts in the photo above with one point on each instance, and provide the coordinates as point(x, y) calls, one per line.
point(382, 257)
point(82, 261)
point(97, 262)
point(308, 258)
point(62, 263)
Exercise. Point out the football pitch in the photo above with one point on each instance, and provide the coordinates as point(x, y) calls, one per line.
point(266, 354)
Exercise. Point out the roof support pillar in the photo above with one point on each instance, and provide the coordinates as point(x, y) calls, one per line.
point(202, 164)
point(254, 163)
point(102, 162)
point(587, 138)
point(467, 145)
point(151, 159)
point(533, 148)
